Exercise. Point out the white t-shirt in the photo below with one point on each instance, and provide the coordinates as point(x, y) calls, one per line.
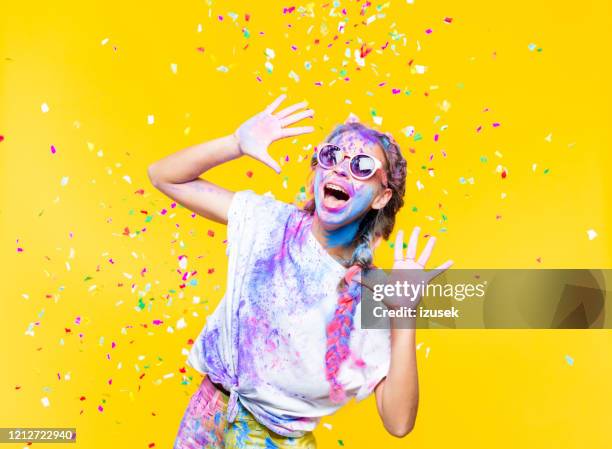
point(266, 341)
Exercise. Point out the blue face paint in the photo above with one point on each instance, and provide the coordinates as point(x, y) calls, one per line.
point(345, 222)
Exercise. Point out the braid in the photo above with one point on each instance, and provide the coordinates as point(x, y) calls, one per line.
point(340, 327)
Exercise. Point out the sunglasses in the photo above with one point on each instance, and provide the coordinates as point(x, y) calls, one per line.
point(362, 165)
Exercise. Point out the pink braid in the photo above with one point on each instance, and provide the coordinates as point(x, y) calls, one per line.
point(338, 333)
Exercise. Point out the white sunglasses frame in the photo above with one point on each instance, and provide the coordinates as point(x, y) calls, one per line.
point(377, 164)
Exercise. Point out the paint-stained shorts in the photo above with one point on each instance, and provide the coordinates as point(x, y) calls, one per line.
point(204, 426)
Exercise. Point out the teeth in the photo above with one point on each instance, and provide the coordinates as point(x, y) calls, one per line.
point(335, 187)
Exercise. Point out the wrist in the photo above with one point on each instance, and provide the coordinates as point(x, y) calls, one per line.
point(236, 143)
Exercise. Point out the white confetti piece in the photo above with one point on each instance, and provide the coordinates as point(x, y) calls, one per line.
point(183, 262)
point(64, 180)
point(419, 185)
point(591, 233)
point(44, 108)
point(328, 426)
point(150, 119)
point(420, 69)
point(548, 138)
point(173, 68)
point(127, 179)
point(45, 402)
point(181, 323)
point(377, 120)
point(104, 41)
point(294, 76)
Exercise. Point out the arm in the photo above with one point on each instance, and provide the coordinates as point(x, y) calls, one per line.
point(397, 395)
point(177, 175)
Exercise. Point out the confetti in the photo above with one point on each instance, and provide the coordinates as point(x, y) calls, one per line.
point(44, 108)
point(569, 360)
point(591, 233)
point(150, 119)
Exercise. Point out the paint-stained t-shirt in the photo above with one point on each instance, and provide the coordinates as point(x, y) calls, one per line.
point(266, 340)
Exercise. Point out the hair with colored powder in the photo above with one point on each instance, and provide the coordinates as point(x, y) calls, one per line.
point(375, 224)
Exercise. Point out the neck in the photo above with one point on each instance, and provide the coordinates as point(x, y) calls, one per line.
point(337, 242)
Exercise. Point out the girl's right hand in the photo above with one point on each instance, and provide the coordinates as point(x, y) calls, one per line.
point(256, 134)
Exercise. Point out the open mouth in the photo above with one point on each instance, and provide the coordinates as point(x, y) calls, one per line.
point(335, 196)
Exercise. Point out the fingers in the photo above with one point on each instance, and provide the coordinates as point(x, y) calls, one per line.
point(441, 269)
point(296, 117)
point(399, 246)
point(412, 244)
point(296, 131)
point(272, 106)
point(291, 109)
point(270, 162)
point(424, 257)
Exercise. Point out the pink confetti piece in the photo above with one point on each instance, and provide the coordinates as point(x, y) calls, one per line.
point(428, 31)
point(448, 20)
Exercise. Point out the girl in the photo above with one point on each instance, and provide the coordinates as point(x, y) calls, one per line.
point(285, 346)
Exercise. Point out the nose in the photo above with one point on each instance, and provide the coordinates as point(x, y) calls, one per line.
point(342, 169)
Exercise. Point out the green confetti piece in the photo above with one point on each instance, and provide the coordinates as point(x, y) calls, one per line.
point(141, 304)
point(149, 218)
point(418, 137)
point(483, 159)
point(341, 443)
point(131, 212)
point(414, 209)
point(87, 278)
point(546, 171)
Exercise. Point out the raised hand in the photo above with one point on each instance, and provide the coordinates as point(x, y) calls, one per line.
point(257, 133)
point(409, 261)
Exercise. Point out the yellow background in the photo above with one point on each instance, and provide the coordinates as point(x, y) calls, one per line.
point(86, 243)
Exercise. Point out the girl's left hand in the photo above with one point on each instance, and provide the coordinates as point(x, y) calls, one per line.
point(418, 274)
